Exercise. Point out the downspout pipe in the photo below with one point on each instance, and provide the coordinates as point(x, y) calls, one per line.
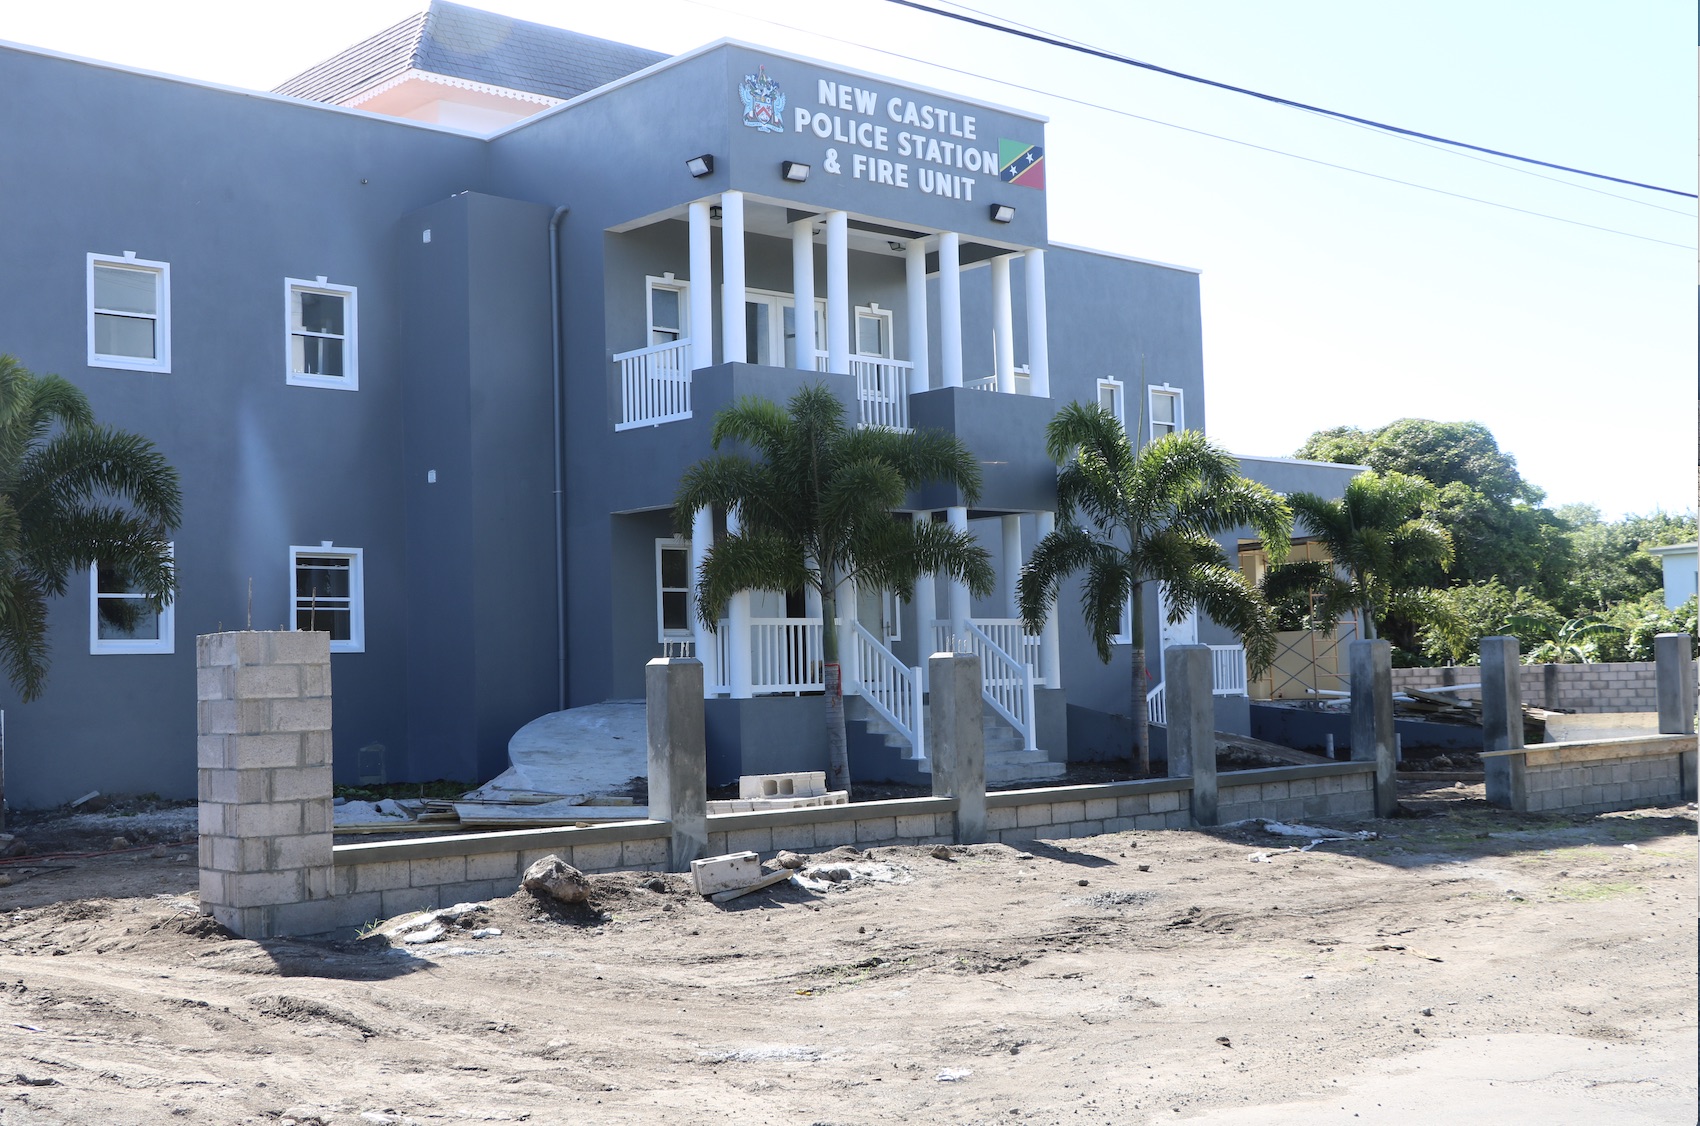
point(559, 378)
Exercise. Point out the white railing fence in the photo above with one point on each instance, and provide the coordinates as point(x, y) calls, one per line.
point(655, 385)
point(1227, 678)
point(1005, 683)
point(882, 391)
point(1156, 706)
point(892, 690)
point(1013, 639)
point(786, 655)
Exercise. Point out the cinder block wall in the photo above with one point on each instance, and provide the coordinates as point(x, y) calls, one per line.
point(1626, 686)
point(1593, 777)
point(1336, 790)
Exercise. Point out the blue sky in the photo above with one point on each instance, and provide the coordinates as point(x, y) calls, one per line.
point(1330, 298)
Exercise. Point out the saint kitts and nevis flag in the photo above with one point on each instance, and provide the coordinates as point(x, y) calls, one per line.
point(1021, 163)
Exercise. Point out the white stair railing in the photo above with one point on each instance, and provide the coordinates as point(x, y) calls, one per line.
point(891, 689)
point(882, 391)
point(1005, 683)
point(1013, 638)
point(655, 385)
point(1156, 706)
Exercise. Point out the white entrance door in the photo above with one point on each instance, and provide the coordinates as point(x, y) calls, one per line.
point(1183, 632)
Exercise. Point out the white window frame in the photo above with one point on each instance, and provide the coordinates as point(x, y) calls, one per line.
point(1116, 390)
point(1151, 413)
point(161, 271)
point(349, 380)
point(356, 642)
point(683, 289)
point(166, 642)
point(662, 633)
point(872, 312)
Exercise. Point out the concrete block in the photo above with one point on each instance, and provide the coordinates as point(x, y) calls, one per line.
point(282, 820)
point(796, 784)
point(299, 715)
point(1273, 792)
point(876, 829)
point(263, 752)
point(215, 649)
point(1135, 805)
point(794, 837)
point(212, 683)
point(637, 856)
point(258, 889)
point(1101, 809)
point(1028, 816)
point(1329, 784)
point(495, 866)
point(315, 680)
point(1165, 801)
point(1119, 825)
point(713, 874)
point(831, 834)
point(1064, 812)
point(290, 647)
point(315, 748)
point(316, 815)
point(1151, 821)
point(254, 682)
point(1000, 818)
point(1301, 787)
point(716, 844)
point(912, 826)
point(342, 880)
point(1089, 828)
point(406, 901)
point(1177, 819)
point(944, 825)
point(597, 857)
point(437, 870)
point(301, 783)
point(749, 840)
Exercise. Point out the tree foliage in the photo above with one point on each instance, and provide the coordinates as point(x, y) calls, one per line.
point(1611, 563)
point(816, 509)
point(73, 493)
point(1127, 517)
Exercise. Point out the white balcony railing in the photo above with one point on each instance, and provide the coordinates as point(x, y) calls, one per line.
point(1023, 382)
point(655, 385)
point(882, 391)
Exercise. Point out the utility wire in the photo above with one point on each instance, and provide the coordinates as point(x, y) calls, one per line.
point(1053, 41)
point(1188, 129)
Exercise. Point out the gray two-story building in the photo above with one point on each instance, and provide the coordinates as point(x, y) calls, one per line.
point(432, 333)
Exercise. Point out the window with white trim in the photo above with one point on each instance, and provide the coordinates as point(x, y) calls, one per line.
point(330, 594)
point(120, 619)
point(1110, 398)
point(1167, 412)
point(672, 590)
point(668, 301)
point(129, 313)
point(322, 325)
point(873, 331)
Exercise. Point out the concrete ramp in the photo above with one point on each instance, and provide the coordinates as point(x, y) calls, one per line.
point(579, 753)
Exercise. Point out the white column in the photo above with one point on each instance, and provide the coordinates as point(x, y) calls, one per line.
point(732, 349)
point(702, 538)
point(1038, 332)
point(702, 288)
point(738, 625)
point(950, 309)
point(1012, 561)
point(926, 609)
point(849, 668)
point(959, 606)
point(915, 278)
point(1050, 638)
point(803, 290)
point(1003, 325)
point(838, 292)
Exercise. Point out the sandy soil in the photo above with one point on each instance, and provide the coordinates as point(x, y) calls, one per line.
point(1471, 966)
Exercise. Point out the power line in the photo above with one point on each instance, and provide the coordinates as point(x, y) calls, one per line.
point(1188, 129)
point(1053, 41)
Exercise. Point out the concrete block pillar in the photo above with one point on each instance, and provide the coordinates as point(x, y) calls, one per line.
point(264, 764)
point(1502, 721)
point(678, 756)
point(1192, 725)
point(958, 740)
point(1371, 663)
point(1677, 687)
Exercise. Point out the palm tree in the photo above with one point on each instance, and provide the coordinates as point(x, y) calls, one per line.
point(816, 511)
point(1376, 532)
point(1126, 518)
point(72, 494)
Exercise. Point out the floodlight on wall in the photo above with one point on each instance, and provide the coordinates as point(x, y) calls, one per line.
point(1003, 213)
point(793, 171)
point(700, 166)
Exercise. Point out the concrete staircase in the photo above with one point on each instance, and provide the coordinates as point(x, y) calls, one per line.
point(1006, 760)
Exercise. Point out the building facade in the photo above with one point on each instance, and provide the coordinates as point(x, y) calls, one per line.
point(432, 389)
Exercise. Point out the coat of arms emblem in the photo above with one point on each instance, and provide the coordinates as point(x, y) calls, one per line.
point(764, 102)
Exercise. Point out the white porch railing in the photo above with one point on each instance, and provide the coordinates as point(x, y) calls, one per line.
point(1227, 678)
point(1023, 382)
point(882, 391)
point(655, 385)
point(786, 655)
point(893, 691)
point(1005, 683)
point(1013, 639)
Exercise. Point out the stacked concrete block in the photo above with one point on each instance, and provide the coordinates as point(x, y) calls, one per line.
point(1338, 791)
point(1599, 687)
point(902, 821)
point(1057, 813)
point(800, 790)
point(264, 757)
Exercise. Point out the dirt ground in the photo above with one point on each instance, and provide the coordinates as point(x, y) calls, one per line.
point(1468, 966)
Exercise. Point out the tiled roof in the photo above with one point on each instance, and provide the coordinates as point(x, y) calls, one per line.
point(478, 46)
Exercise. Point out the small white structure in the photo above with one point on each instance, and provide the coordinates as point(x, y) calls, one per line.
point(1682, 571)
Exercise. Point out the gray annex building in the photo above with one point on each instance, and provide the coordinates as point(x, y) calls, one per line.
point(431, 332)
